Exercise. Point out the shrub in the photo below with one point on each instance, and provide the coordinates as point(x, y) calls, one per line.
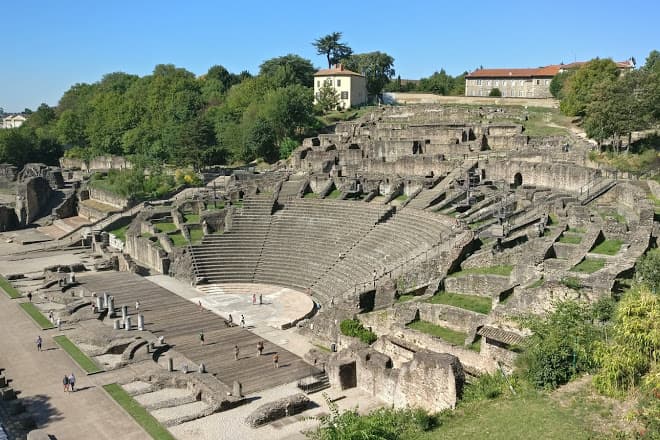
point(648, 269)
point(562, 345)
point(495, 92)
point(354, 328)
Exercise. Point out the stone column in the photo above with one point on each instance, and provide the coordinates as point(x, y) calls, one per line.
point(105, 299)
point(127, 323)
point(237, 389)
point(124, 312)
point(170, 364)
point(141, 322)
point(202, 368)
point(117, 324)
point(99, 303)
point(111, 306)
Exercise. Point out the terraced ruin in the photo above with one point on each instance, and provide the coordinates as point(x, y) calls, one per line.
point(432, 226)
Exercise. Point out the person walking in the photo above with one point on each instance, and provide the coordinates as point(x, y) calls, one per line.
point(72, 383)
point(242, 321)
point(29, 295)
point(231, 321)
point(51, 317)
point(201, 338)
point(59, 324)
point(236, 352)
point(260, 348)
point(39, 342)
point(65, 383)
point(276, 360)
point(254, 298)
point(261, 299)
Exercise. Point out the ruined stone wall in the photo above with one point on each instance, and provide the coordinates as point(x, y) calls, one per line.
point(560, 176)
point(110, 198)
point(432, 381)
point(454, 318)
point(101, 163)
point(506, 142)
point(33, 197)
point(144, 252)
point(8, 218)
point(68, 208)
point(474, 284)
point(410, 166)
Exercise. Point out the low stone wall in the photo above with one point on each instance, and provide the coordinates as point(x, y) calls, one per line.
point(110, 198)
point(146, 253)
point(8, 218)
point(33, 197)
point(451, 317)
point(100, 163)
point(474, 284)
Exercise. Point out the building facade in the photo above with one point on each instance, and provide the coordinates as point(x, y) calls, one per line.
point(13, 121)
point(522, 83)
point(350, 86)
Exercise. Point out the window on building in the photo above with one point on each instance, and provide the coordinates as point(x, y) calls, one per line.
point(344, 95)
point(318, 95)
point(521, 93)
point(497, 83)
point(328, 82)
point(338, 83)
point(547, 82)
point(538, 82)
point(478, 82)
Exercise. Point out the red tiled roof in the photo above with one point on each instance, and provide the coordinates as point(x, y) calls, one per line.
point(337, 70)
point(515, 73)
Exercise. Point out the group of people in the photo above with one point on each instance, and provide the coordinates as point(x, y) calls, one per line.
point(230, 321)
point(254, 299)
point(69, 383)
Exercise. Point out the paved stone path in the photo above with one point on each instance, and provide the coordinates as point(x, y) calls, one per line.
point(87, 413)
point(180, 322)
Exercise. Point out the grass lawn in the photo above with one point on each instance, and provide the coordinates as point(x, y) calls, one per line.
point(572, 283)
point(589, 265)
point(165, 227)
point(334, 194)
point(196, 236)
point(191, 218)
point(77, 355)
point(401, 198)
point(311, 195)
point(531, 416)
point(545, 122)
point(178, 239)
point(9, 289)
point(120, 233)
point(608, 247)
point(218, 206)
point(504, 270)
point(570, 239)
point(537, 283)
point(553, 219)
point(475, 303)
point(139, 414)
point(451, 336)
point(405, 298)
point(36, 315)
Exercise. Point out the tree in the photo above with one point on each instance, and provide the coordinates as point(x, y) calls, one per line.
point(330, 46)
point(377, 67)
point(288, 70)
point(648, 269)
point(558, 82)
point(495, 92)
point(328, 98)
point(579, 87)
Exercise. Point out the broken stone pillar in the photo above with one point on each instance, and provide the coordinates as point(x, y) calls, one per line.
point(124, 312)
point(99, 303)
point(3, 381)
point(170, 364)
point(105, 299)
point(111, 306)
point(202, 368)
point(141, 322)
point(237, 389)
point(127, 323)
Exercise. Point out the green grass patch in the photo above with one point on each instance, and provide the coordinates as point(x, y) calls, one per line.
point(537, 283)
point(178, 239)
point(570, 239)
point(196, 235)
point(165, 227)
point(554, 220)
point(476, 345)
point(77, 355)
point(354, 328)
point(191, 218)
point(504, 270)
point(577, 230)
point(237, 203)
point(401, 198)
point(120, 233)
point(139, 414)
point(405, 298)
point(613, 215)
point(323, 348)
point(36, 315)
point(215, 207)
point(311, 195)
point(451, 336)
point(608, 247)
point(589, 265)
point(475, 303)
point(546, 122)
point(572, 283)
point(9, 289)
point(334, 194)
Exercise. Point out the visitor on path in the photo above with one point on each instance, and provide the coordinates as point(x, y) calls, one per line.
point(199, 303)
point(236, 352)
point(29, 295)
point(242, 321)
point(201, 338)
point(260, 348)
point(39, 342)
point(276, 360)
point(65, 383)
point(51, 317)
point(59, 324)
point(254, 298)
point(261, 299)
point(72, 383)
point(231, 320)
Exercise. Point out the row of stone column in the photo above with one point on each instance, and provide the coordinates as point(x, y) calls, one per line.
point(107, 301)
point(126, 323)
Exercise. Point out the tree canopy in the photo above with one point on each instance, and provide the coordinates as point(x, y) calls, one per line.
point(377, 67)
point(330, 46)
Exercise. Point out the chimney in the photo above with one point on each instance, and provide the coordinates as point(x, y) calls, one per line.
point(339, 66)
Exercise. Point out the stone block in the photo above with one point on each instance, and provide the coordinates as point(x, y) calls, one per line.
point(278, 409)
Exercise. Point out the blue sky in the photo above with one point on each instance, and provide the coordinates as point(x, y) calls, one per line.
point(50, 45)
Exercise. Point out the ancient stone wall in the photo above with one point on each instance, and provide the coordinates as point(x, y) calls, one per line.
point(474, 284)
point(101, 163)
point(33, 197)
point(146, 253)
point(8, 218)
point(110, 198)
point(561, 176)
point(454, 318)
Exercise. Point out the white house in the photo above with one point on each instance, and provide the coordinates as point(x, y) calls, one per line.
point(13, 121)
point(351, 86)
